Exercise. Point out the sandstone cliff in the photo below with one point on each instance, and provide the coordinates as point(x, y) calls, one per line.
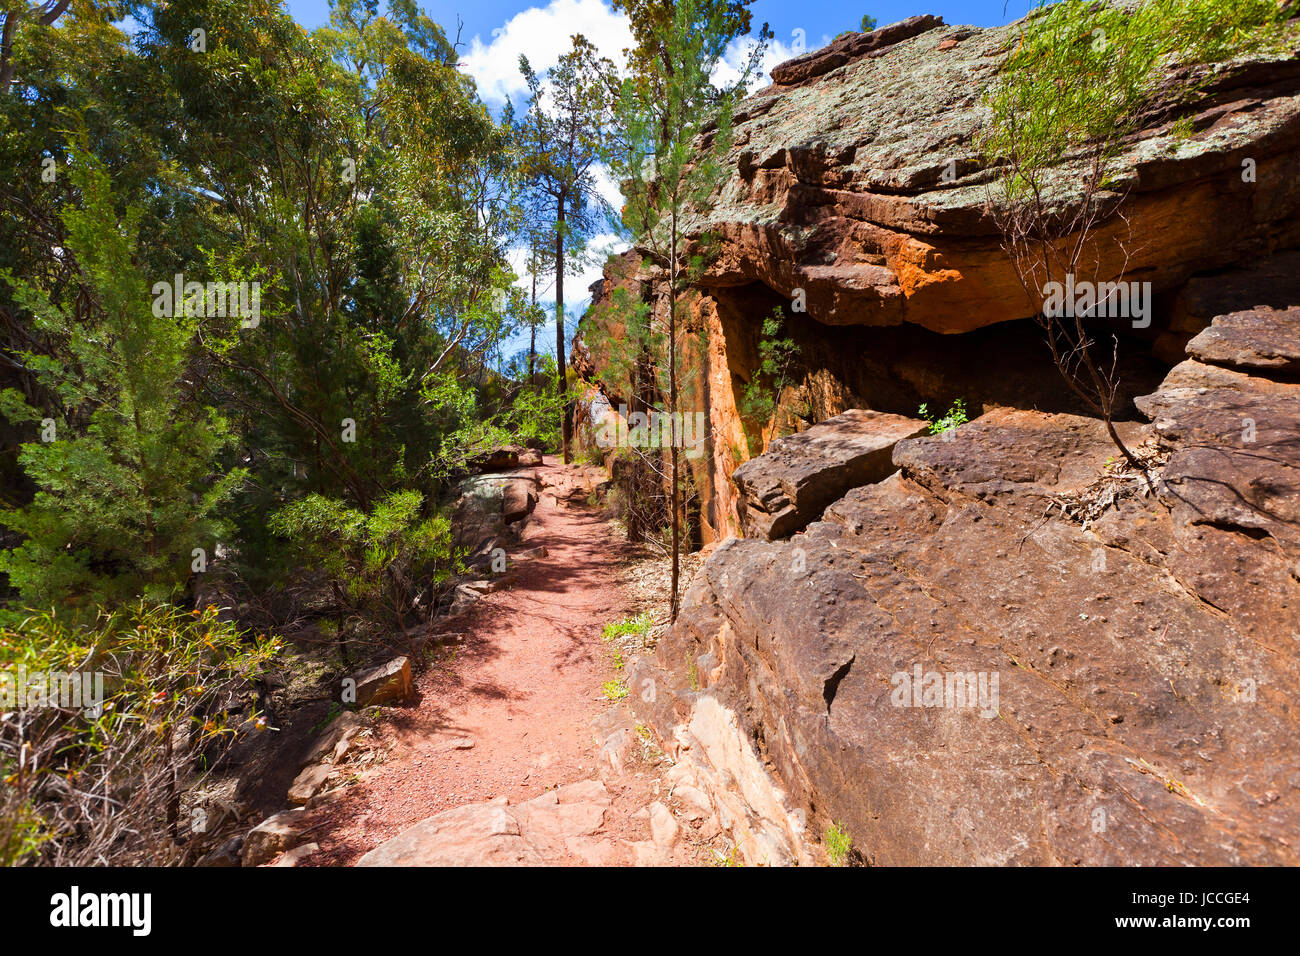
point(1123, 656)
point(855, 179)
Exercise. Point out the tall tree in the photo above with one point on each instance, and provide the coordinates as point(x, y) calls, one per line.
point(540, 265)
point(676, 126)
point(565, 134)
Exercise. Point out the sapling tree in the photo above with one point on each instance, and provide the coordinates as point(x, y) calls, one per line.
point(676, 128)
point(1078, 80)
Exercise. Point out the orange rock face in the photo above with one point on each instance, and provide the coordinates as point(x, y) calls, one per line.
point(861, 183)
point(858, 206)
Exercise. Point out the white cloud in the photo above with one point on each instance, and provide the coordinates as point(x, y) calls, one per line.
point(737, 54)
point(543, 35)
point(575, 283)
point(607, 189)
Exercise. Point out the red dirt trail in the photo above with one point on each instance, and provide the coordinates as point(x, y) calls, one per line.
point(524, 687)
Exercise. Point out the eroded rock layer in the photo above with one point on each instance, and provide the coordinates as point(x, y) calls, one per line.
point(1004, 653)
point(858, 178)
point(857, 192)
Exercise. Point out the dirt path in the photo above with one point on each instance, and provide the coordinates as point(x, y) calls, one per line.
point(510, 712)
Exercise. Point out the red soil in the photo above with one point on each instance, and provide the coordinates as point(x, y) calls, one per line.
point(524, 687)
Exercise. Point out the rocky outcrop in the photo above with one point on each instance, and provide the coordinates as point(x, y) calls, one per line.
point(848, 47)
point(1012, 651)
point(857, 206)
point(1001, 645)
point(787, 487)
point(857, 178)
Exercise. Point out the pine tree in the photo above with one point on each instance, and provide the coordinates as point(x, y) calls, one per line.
point(565, 135)
point(124, 501)
point(677, 128)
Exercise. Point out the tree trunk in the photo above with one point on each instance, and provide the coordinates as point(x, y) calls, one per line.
point(532, 322)
point(672, 408)
point(559, 330)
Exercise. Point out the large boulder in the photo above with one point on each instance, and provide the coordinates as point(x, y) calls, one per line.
point(1010, 651)
point(787, 487)
point(489, 505)
point(1256, 339)
point(497, 459)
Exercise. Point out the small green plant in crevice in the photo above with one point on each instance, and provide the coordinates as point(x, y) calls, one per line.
point(693, 675)
point(838, 844)
point(617, 659)
point(335, 709)
point(778, 357)
point(955, 418)
point(614, 689)
point(638, 626)
point(731, 858)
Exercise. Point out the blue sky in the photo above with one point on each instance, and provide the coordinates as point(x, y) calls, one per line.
point(816, 17)
point(495, 32)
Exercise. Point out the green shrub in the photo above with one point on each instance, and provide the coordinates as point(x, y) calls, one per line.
point(838, 844)
point(638, 626)
point(1082, 72)
point(777, 359)
point(129, 485)
point(535, 418)
point(955, 418)
point(386, 565)
point(105, 780)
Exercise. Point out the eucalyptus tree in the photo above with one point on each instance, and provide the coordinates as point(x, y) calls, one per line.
point(565, 136)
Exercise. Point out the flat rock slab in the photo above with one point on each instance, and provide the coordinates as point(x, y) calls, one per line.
point(1266, 339)
point(386, 684)
point(789, 485)
point(538, 832)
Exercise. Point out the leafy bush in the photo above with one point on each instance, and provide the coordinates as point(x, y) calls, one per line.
point(105, 780)
point(535, 417)
point(955, 418)
point(385, 565)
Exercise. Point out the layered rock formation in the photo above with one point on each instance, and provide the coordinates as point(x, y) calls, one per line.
point(1005, 653)
point(857, 192)
point(1000, 646)
point(859, 180)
